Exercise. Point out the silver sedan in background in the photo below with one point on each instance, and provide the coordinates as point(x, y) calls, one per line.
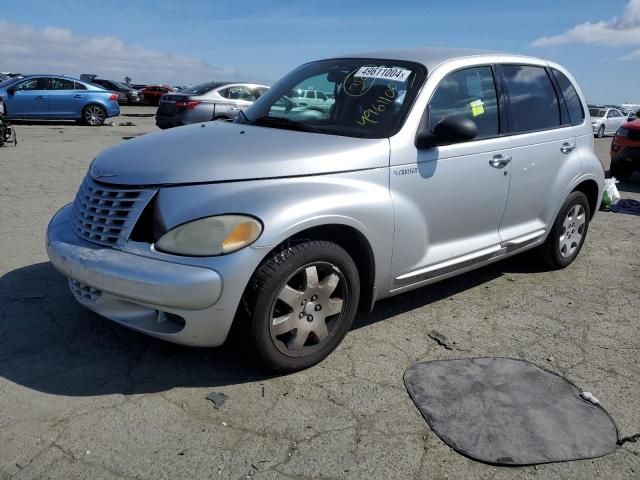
point(206, 102)
point(605, 120)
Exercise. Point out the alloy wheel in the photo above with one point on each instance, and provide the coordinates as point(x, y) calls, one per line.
point(308, 309)
point(572, 231)
point(94, 115)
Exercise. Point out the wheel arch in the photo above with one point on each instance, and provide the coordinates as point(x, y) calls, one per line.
point(355, 244)
point(590, 189)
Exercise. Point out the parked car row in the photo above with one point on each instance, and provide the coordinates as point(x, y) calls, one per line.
point(227, 100)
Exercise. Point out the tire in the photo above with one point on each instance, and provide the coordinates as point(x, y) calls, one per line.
point(568, 233)
point(94, 115)
point(312, 287)
point(600, 132)
point(621, 169)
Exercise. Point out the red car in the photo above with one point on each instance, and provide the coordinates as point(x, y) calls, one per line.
point(625, 150)
point(152, 93)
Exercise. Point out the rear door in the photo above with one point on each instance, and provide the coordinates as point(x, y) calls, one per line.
point(543, 152)
point(30, 99)
point(66, 98)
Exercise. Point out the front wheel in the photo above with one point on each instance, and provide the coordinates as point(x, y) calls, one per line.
point(301, 304)
point(600, 132)
point(568, 233)
point(94, 115)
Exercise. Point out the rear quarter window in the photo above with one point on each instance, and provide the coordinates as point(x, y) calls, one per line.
point(571, 98)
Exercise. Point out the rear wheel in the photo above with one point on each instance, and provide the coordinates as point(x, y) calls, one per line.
point(568, 233)
point(621, 169)
point(302, 304)
point(94, 115)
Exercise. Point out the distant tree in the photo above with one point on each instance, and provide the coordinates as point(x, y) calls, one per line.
point(127, 80)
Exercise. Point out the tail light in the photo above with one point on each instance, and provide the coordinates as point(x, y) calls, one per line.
point(113, 96)
point(187, 105)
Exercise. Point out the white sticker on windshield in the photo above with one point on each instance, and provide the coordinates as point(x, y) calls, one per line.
point(397, 74)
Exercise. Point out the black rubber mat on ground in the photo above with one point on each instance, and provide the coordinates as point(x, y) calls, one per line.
point(509, 412)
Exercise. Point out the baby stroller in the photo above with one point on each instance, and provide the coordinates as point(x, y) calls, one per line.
point(7, 132)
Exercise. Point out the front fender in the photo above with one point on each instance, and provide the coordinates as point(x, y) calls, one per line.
point(287, 206)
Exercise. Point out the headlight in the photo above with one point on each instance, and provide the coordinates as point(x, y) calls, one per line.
point(211, 236)
point(622, 132)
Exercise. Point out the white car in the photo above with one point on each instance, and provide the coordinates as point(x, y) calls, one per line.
point(606, 120)
point(313, 98)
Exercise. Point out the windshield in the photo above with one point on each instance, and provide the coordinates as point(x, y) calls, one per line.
point(352, 97)
point(597, 112)
point(9, 81)
point(201, 89)
point(121, 85)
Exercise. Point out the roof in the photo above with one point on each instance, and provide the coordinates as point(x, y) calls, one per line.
point(430, 57)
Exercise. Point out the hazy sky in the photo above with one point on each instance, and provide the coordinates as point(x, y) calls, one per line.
point(191, 41)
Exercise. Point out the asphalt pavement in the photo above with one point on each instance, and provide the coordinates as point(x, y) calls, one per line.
point(81, 397)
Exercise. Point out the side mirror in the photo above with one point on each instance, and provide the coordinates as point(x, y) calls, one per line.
point(449, 130)
point(11, 90)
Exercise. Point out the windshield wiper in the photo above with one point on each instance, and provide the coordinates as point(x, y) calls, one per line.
point(281, 122)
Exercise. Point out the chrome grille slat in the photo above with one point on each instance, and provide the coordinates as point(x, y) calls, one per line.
point(106, 215)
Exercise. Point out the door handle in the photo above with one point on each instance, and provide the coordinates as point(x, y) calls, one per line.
point(40, 97)
point(78, 96)
point(567, 147)
point(499, 161)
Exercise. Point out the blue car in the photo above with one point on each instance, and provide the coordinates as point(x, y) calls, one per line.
point(56, 97)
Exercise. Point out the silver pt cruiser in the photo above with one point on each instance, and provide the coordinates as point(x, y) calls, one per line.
point(428, 163)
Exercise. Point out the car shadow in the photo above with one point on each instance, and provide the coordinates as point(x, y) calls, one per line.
point(52, 344)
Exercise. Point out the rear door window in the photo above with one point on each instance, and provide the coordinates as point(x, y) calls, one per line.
point(61, 84)
point(533, 104)
point(471, 93)
point(571, 98)
point(240, 93)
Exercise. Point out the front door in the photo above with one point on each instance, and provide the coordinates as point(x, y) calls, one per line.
point(449, 200)
point(29, 100)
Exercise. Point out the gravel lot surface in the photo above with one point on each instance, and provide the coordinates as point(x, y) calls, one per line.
point(83, 398)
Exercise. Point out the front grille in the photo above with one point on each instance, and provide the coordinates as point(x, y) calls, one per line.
point(84, 291)
point(105, 214)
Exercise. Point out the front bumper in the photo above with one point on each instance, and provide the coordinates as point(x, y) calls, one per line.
point(172, 301)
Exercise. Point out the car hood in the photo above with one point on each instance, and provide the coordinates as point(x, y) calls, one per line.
point(223, 151)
